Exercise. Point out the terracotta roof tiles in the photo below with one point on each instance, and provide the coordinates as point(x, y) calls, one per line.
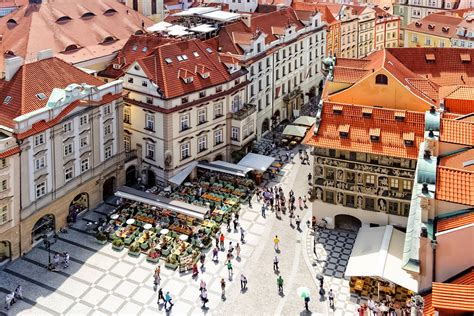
point(455, 185)
point(455, 222)
point(390, 142)
point(457, 131)
point(455, 297)
point(10, 152)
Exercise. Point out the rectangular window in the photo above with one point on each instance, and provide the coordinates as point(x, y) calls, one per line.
point(150, 151)
point(126, 114)
point(184, 122)
point(329, 197)
point(127, 143)
point(3, 214)
point(68, 174)
point(350, 201)
point(218, 89)
point(84, 165)
point(370, 179)
point(67, 149)
point(218, 137)
point(39, 139)
point(370, 204)
point(40, 189)
point(235, 133)
point(3, 163)
point(202, 116)
point(107, 109)
point(149, 122)
point(393, 207)
point(149, 100)
point(130, 80)
point(84, 142)
point(405, 209)
point(3, 185)
point(185, 152)
point(67, 127)
point(144, 83)
point(108, 152)
point(184, 100)
point(83, 120)
point(107, 129)
point(394, 184)
point(202, 94)
point(406, 185)
point(202, 143)
point(218, 110)
point(40, 163)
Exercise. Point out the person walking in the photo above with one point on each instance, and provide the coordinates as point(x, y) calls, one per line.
point(215, 254)
point(242, 235)
point(18, 294)
point(156, 277)
point(221, 241)
point(263, 210)
point(229, 268)
point(243, 282)
point(298, 222)
point(161, 298)
point(66, 260)
point(237, 249)
point(202, 285)
point(280, 284)
point(204, 298)
point(309, 177)
point(306, 303)
point(236, 223)
point(9, 299)
point(275, 264)
point(331, 298)
point(276, 242)
point(168, 303)
point(56, 260)
point(223, 288)
point(300, 203)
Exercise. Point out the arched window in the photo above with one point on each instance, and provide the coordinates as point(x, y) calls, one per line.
point(71, 47)
point(381, 79)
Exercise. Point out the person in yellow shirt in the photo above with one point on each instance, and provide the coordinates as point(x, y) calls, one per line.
point(276, 242)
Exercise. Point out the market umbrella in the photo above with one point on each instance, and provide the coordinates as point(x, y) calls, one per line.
point(303, 292)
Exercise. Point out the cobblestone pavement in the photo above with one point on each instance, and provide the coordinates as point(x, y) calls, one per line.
point(100, 280)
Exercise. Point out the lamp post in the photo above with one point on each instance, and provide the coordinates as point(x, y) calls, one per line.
point(47, 244)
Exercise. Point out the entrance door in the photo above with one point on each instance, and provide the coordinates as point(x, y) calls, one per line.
point(151, 178)
point(5, 251)
point(108, 188)
point(347, 222)
point(131, 176)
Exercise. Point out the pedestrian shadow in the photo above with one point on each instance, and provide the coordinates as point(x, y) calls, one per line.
point(278, 251)
point(282, 294)
point(205, 309)
point(238, 259)
point(306, 313)
point(243, 291)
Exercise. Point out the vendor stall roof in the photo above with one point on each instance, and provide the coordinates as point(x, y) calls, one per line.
point(222, 16)
point(151, 199)
point(158, 27)
point(304, 121)
point(203, 28)
point(378, 252)
point(196, 11)
point(256, 162)
point(225, 169)
point(294, 130)
point(183, 174)
point(231, 165)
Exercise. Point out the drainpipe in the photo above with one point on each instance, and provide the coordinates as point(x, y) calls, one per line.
point(273, 91)
point(434, 244)
point(18, 142)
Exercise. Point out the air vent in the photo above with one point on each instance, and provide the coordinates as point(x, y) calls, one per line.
point(41, 96)
point(445, 29)
point(431, 26)
point(418, 24)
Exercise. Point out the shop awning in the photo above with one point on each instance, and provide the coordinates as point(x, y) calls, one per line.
point(294, 130)
point(256, 162)
point(183, 174)
point(378, 252)
point(304, 121)
point(225, 169)
point(165, 203)
point(231, 165)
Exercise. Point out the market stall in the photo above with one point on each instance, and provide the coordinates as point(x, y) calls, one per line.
point(304, 121)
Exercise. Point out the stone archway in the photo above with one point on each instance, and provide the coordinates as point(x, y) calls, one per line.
point(43, 226)
point(219, 157)
point(5, 251)
point(108, 188)
point(347, 222)
point(265, 125)
point(131, 176)
point(78, 205)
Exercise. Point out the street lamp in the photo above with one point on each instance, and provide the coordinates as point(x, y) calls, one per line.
point(47, 244)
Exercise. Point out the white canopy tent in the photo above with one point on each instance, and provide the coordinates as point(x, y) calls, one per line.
point(378, 252)
point(294, 130)
point(159, 27)
point(151, 199)
point(231, 165)
point(196, 11)
point(203, 28)
point(304, 121)
point(183, 174)
point(256, 162)
point(222, 16)
point(233, 170)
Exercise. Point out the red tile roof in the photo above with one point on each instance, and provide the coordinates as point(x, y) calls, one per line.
point(455, 185)
point(34, 78)
point(37, 28)
point(168, 75)
point(436, 24)
point(324, 8)
point(457, 131)
point(455, 222)
point(390, 143)
point(10, 152)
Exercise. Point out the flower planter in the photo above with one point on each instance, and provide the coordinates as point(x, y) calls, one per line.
point(134, 254)
point(118, 248)
point(170, 265)
point(153, 260)
point(101, 242)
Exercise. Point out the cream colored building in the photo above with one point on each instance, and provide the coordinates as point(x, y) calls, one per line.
point(349, 33)
point(70, 139)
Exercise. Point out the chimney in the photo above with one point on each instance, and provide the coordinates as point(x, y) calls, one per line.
point(44, 54)
point(427, 155)
point(11, 66)
point(432, 109)
point(424, 189)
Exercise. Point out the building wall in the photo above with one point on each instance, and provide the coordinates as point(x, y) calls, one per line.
point(387, 33)
point(450, 257)
point(349, 38)
point(418, 39)
point(393, 95)
point(146, 8)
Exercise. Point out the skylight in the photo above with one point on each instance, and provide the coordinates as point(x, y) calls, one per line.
point(134, 48)
point(41, 96)
point(144, 49)
point(168, 60)
point(184, 57)
point(7, 99)
point(179, 58)
point(196, 54)
point(209, 50)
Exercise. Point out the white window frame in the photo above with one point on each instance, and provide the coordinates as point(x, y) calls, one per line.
point(370, 179)
point(218, 110)
point(202, 116)
point(127, 143)
point(68, 174)
point(108, 152)
point(68, 149)
point(184, 122)
point(394, 183)
point(108, 129)
point(407, 185)
point(39, 139)
point(84, 120)
point(40, 189)
point(107, 109)
point(218, 137)
point(84, 141)
point(202, 143)
point(185, 148)
point(40, 163)
point(149, 121)
point(3, 214)
point(127, 115)
point(235, 133)
point(150, 151)
point(85, 164)
point(67, 127)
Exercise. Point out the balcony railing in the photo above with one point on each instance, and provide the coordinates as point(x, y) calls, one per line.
point(244, 112)
point(130, 155)
point(292, 94)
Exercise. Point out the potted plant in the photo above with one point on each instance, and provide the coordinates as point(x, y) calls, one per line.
point(134, 250)
point(118, 245)
point(207, 242)
point(153, 256)
point(172, 261)
point(101, 238)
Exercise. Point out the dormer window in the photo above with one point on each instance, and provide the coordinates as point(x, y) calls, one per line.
point(430, 58)
point(188, 79)
point(7, 99)
point(337, 110)
point(367, 112)
point(168, 60)
point(41, 96)
point(110, 11)
point(399, 116)
point(431, 26)
point(87, 15)
point(196, 54)
point(344, 131)
point(465, 58)
point(409, 139)
point(205, 75)
point(445, 29)
point(418, 24)
point(374, 134)
point(209, 50)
